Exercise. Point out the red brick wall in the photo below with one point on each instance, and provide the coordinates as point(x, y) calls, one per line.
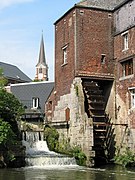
point(64, 36)
point(120, 56)
point(118, 45)
point(94, 37)
point(90, 32)
point(122, 84)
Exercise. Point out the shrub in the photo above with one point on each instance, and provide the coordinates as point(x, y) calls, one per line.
point(125, 159)
point(51, 137)
point(63, 147)
point(7, 136)
point(79, 156)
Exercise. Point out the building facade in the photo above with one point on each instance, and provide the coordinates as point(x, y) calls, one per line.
point(124, 55)
point(92, 104)
point(33, 96)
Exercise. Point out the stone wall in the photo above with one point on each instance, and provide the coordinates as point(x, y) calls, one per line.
point(80, 131)
point(124, 17)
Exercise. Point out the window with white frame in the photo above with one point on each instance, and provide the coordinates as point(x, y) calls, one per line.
point(64, 54)
point(132, 98)
point(35, 102)
point(125, 40)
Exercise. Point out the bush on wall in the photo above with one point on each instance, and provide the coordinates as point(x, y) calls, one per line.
point(63, 146)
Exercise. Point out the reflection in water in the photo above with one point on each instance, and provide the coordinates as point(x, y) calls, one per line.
point(68, 173)
point(11, 174)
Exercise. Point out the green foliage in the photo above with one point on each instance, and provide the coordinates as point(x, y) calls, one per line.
point(10, 156)
point(3, 81)
point(74, 151)
point(7, 136)
point(27, 126)
point(125, 159)
point(51, 136)
point(76, 90)
point(63, 146)
point(10, 112)
point(79, 156)
point(10, 107)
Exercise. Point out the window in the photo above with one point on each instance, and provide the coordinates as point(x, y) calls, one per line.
point(103, 58)
point(40, 70)
point(50, 105)
point(127, 67)
point(35, 102)
point(132, 98)
point(65, 54)
point(125, 40)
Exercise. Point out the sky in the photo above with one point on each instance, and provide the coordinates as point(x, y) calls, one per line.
point(21, 26)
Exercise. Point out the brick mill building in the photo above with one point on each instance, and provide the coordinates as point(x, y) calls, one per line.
point(93, 103)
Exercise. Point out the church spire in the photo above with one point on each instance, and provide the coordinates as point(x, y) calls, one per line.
point(42, 58)
point(42, 67)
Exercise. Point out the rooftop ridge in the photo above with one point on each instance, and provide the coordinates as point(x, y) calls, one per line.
point(102, 4)
point(33, 83)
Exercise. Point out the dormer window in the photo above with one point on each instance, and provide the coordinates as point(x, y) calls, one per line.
point(35, 102)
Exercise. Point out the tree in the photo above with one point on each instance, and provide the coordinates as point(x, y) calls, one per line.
point(10, 107)
point(3, 81)
point(6, 133)
point(10, 112)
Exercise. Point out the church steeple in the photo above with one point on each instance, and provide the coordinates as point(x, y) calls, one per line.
point(42, 67)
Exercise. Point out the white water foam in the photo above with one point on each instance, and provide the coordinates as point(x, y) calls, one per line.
point(38, 153)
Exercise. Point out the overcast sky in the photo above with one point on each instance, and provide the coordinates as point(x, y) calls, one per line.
point(21, 25)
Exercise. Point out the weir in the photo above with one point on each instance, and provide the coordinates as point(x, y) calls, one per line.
point(38, 153)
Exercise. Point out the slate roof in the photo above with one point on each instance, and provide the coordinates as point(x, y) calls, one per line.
point(26, 91)
point(102, 4)
point(14, 73)
point(107, 5)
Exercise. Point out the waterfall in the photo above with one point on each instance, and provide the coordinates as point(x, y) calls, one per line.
point(34, 143)
point(38, 154)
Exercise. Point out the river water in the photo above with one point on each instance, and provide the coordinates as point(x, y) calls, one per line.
point(43, 164)
point(109, 172)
